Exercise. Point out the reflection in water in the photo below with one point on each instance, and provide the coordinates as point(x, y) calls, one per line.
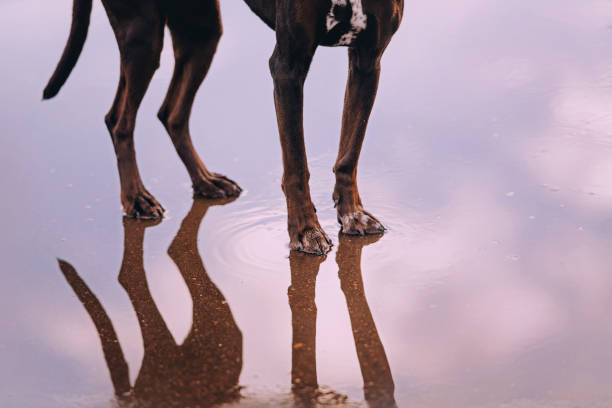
point(490, 159)
point(205, 369)
point(377, 380)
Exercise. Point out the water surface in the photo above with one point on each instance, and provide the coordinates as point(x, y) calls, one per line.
point(488, 157)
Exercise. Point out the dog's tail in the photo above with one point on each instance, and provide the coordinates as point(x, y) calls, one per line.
point(81, 11)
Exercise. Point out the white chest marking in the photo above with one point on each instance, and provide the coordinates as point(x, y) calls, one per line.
point(359, 20)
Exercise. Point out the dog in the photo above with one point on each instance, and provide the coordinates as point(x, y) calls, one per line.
point(364, 26)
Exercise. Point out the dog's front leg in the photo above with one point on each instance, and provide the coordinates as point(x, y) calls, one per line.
point(289, 66)
point(364, 72)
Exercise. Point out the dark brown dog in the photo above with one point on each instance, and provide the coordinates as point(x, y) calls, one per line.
point(365, 26)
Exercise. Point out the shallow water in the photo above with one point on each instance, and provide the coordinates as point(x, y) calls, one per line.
point(488, 157)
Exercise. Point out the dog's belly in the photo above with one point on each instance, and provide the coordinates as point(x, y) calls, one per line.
point(344, 22)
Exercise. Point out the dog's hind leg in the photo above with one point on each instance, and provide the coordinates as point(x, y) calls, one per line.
point(289, 65)
point(194, 39)
point(140, 41)
point(111, 117)
point(364, 73)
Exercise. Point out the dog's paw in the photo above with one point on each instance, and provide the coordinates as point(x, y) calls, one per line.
point(216, 186)
point(360, 223)
point(143, 205)
point(312, 240)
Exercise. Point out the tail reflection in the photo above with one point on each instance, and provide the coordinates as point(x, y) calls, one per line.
point(205, 369)
point(377, 379)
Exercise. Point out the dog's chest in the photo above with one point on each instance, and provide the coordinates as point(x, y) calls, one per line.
point(345, 20)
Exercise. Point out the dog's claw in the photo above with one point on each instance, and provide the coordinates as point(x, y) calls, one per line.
point(313, 241)
point(360, 223)
point(216, 186)
point(144, 206)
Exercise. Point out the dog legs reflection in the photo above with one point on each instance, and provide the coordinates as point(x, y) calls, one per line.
point(111, 348)
point(205, 369)
point(377, 379)
point(304, 271)
point(378, 383)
